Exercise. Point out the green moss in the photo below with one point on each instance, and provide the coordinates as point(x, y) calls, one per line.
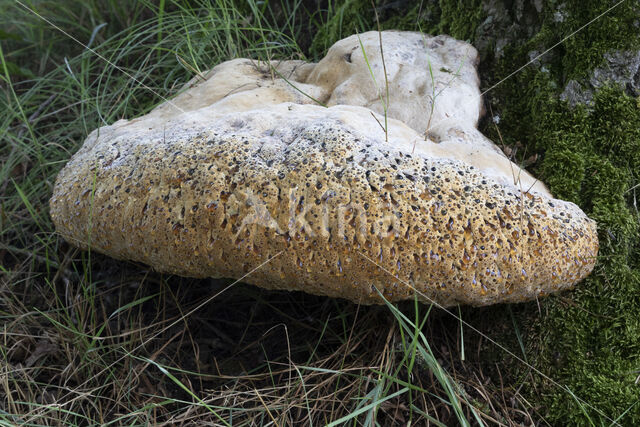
point(585, 48)
point(459, 19)
point(565, 169)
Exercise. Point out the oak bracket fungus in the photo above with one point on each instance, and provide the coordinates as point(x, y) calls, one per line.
point(246, 164)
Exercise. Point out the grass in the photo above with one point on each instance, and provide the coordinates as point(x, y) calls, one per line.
point(383, 101)
point(86, 339)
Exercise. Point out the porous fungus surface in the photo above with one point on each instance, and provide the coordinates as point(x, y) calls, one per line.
point(215, 185)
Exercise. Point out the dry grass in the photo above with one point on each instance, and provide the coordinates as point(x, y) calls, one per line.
point(247, 357)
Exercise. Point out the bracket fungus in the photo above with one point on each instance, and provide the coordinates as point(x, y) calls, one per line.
point(290, 171)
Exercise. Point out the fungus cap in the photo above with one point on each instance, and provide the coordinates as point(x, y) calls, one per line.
point(243, 167)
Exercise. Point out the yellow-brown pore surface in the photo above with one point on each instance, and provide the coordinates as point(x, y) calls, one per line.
point(207, 204)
